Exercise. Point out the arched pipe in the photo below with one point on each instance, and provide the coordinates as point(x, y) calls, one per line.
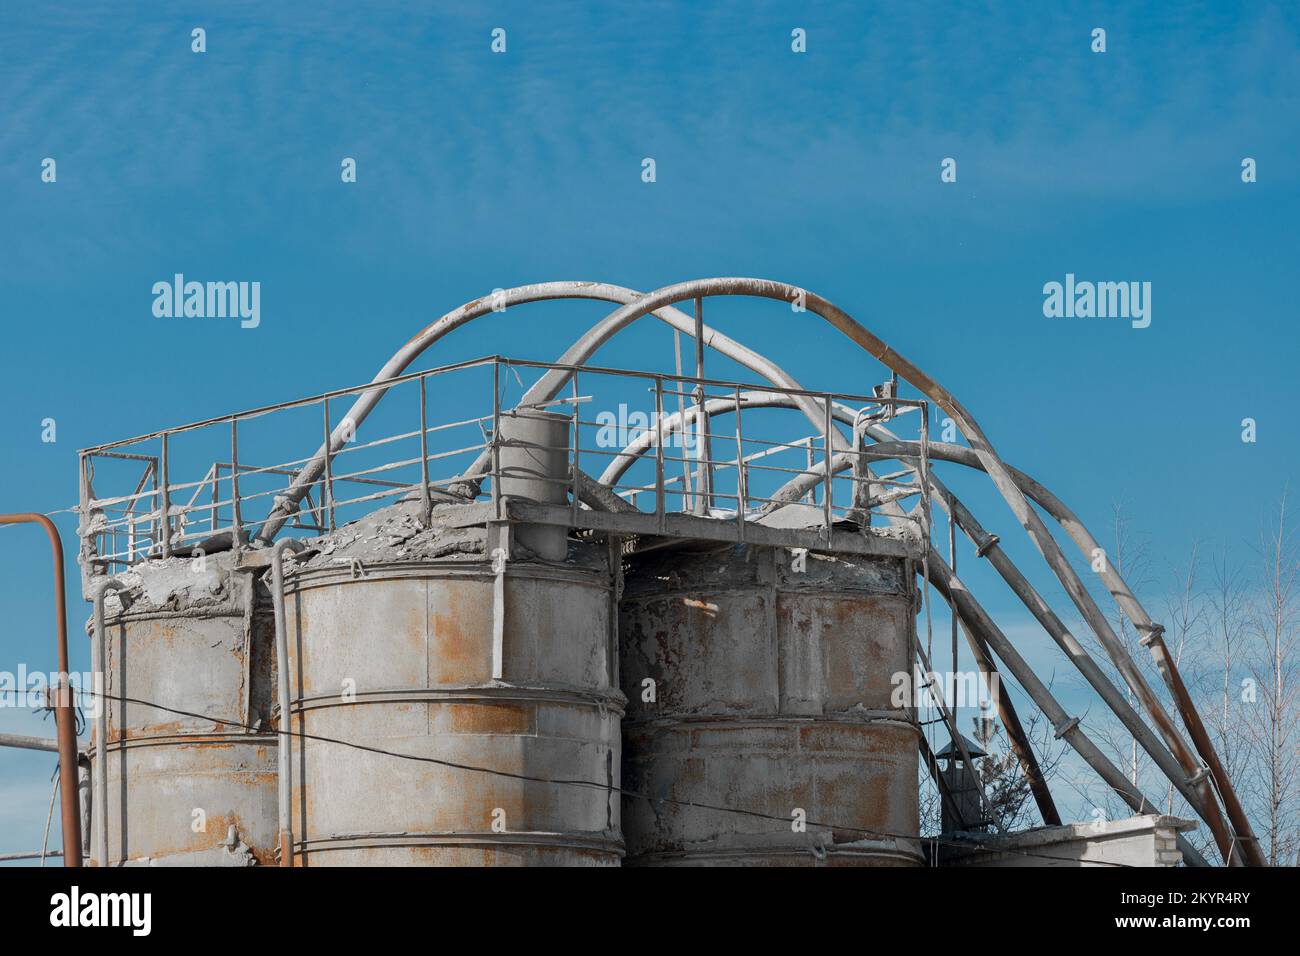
point(65, 720)
point(539, 292)
point(758, 399)
point(1246, 840)
point(550, 384)
point(1067, 728)
point(892, 448)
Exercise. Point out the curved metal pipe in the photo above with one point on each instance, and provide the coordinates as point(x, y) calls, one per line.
point(795, 488)
point(551, 382)
point(1066, 728)
point(1247, 842)
point(64, 718)
point(284, 765)
point(889, 446)
point(539, 292)
point(99, 806)
point(979, 442)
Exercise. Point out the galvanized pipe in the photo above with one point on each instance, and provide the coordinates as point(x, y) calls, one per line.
point(1078, 532)
point(64, 716)
point(1206, 809)
point(99, 806)
point(24, 742)
point(1066, 728)
point(551, 382)
point(453, 320)
point(284, 766)
point(665, 297)
point(1006, 710)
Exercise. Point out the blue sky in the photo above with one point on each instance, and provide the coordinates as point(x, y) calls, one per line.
point(478, 171)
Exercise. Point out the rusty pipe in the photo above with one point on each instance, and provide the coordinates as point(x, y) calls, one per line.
point(1247, 842)
point(1065, 727)
point(1170, 766)
point(64, 717)
point(24, 742)
point(1006, 709)
point(99, 805)
point(549, 385)
point(284, 764)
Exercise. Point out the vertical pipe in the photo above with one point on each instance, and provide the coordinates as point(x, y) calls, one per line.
point(236, 513)
point(284, 755)
point(426, 504)
point(703, 446)
point(496, 439)
point(660, 503)
point(827, 491)
point(164, 505)
point(574, 483)
point(64, 716)
point(681, 411)
point(742, 485)
point(99, 805)
point(329, 467)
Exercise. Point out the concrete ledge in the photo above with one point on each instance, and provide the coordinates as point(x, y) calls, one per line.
point(1135, 841)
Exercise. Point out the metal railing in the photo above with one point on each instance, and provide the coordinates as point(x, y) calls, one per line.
point(777, 455)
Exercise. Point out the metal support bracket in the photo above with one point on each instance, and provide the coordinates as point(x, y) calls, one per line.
point(1065, 728)
point(987, 545)
point(1153, 631)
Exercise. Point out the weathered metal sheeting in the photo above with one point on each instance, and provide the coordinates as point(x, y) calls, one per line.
point(772, 694)
point(186, 790)
point(401, 654)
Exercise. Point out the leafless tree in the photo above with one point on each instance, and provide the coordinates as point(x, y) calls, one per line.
point(1273, 721)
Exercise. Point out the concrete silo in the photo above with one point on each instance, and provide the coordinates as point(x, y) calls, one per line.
point(181, 790)
point(466, 650)
point(772, 676)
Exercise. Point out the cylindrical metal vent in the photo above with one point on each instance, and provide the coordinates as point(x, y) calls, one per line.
point(534, 457)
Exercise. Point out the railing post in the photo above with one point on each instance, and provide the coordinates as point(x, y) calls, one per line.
point(328, 501)
point(426, 503)
point(811, 497)
point(236, 513)
point(496, 438)
point(828, 491)
point(164, 503)
point(742, 484)
point(577, 441)
point(660, 495)
point(216, 496)
point(703, 446)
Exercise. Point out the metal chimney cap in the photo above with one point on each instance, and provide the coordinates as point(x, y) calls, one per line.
point(953, 752)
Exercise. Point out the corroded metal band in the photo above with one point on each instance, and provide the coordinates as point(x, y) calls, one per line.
point(879, 718)
point(612, 700)
point(478, 569)
point(193, 740)
point(758, 854)
point(488, 839)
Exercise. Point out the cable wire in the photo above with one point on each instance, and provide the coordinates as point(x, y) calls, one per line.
point(595, 785)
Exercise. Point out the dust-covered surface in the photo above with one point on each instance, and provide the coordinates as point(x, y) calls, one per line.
point(206, 583)
point(741, 566)
point(216, 584)
point(395, 534)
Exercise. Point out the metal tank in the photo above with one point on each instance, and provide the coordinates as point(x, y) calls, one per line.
point(454, 645)
point(197, 637)
point(761, 679)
